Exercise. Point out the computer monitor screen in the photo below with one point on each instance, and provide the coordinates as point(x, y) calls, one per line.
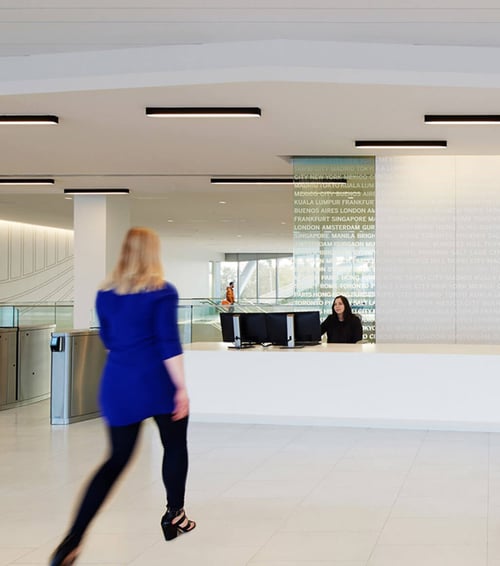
point(226, 323)
point(307, 327)
point(277, 332)
point(272, 327)
point(253, 327)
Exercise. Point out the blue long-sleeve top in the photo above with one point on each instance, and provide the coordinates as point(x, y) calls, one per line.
point(140, 331)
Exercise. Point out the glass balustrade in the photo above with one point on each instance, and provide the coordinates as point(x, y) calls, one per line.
point(198, 318)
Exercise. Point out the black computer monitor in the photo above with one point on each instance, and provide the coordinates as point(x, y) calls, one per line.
point(227, 326)
point(252, 325)
point(272, 328)
point(307, 327)
point(277, 331)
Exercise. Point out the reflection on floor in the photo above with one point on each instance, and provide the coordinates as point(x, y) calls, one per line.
point(262, 496)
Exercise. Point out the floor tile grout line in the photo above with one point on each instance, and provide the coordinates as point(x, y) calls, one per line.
point(417, 452)
point(287, 517)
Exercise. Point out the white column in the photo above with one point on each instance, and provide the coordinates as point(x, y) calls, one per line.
point(100, 223)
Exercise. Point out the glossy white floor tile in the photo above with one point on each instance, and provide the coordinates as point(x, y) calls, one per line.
point(262, 496)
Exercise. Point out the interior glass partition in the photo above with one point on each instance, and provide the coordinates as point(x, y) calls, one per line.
point(334, 234)
point(60, 314)
point(9, 316)
point(36, 314)
point(198, 318)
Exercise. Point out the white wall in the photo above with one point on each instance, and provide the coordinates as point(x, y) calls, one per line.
point(438, 258)
point(188, 267)
point(37, 264)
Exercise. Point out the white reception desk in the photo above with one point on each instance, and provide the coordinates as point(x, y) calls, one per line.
point(447, 387)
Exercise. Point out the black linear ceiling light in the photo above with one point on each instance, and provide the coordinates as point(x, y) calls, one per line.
point(9, 181)
point(398, 144)
point(274, 181)
point(26, 119)
point(203, 112)
point(473, 119)
point(96, 191)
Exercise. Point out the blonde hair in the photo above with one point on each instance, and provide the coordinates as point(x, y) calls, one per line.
point(139, 266)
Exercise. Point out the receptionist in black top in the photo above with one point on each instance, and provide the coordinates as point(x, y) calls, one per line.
point(342, 326)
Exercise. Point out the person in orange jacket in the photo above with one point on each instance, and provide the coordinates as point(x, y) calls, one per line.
point(230, 293)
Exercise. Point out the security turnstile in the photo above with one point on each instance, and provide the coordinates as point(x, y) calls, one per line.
point(24, 364)
point(33, 359)
point(78, 358)
point(8, 366)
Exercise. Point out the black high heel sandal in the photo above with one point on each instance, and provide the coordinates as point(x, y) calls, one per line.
point(175, 522)
point(67, 552)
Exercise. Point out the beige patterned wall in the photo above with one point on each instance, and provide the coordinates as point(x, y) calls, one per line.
point(36, 263)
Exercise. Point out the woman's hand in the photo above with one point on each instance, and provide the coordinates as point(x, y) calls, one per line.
point(175, 369)
point(181, 405)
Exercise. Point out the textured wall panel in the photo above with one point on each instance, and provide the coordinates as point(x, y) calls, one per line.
point(28, 251)
point(51, 248)
point(478, 249)
point(39, 250)
point(438, 249)
point(25, 272)
point(16, 251)
point(4, 251)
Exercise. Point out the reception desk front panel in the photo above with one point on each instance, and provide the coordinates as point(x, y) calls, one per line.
point(447, 387)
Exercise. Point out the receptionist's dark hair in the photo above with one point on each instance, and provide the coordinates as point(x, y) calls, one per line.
point(347, 307)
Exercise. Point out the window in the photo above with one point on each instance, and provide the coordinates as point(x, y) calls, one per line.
point(257, 277)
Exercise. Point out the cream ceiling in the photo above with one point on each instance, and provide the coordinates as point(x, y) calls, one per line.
point(324, 73)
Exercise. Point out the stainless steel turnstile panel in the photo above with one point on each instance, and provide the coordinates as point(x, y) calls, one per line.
point(78, 358)
point(33, 359)
point(8, 365)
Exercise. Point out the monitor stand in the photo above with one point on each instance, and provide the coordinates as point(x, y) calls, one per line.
point(290, 332)
point(238, 344)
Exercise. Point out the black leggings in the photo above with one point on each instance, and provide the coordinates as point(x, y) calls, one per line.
point(123, 441)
